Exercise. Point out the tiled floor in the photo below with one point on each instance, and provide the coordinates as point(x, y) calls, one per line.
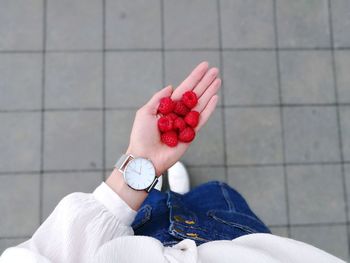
point(72, 74)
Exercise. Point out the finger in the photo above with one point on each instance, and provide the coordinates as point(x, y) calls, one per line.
point(191, 81)
point(206, 113)
point(153, 103)
point(205, 82)
point(207, 95)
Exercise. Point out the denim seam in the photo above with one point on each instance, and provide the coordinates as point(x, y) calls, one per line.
point(225, 194)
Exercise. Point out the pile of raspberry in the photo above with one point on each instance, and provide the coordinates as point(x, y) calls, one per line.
point(178, 120)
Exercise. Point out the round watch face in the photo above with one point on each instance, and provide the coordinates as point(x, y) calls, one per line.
point(139, 173)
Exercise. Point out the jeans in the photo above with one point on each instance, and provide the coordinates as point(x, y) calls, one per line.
point(211, 211)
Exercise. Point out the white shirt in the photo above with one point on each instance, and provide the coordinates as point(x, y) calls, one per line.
point(96, 228)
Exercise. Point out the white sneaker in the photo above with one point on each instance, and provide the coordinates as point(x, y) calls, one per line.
point(179, 181)
point(159, 184)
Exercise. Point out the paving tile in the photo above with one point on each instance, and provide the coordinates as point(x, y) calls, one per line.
point(311, 134)
point(202, 174)
point(178, 15)
point(345, 131)
point(58, 185)
point(331, 239)
point(247, 24)
point(303, 23)
point(73, 80)
point(248, 80)
point(342, 60)
point(132, 78)
point(281, 231)
point(10, 242)
point(341, 22)
point(21, 78)
point(21, 25)
point(208, 146)
point(315, 194)
point(263, 188)
point(118, 129)
point(20, 141)
point(253, 136)
point(307, 77)
point(73, 140)
point(19, 205)
point(74, 24)
point(133, 24)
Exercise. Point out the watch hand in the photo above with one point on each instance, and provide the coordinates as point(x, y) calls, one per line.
point(140, 168)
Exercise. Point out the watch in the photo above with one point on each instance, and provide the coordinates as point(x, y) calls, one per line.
point(139, 173)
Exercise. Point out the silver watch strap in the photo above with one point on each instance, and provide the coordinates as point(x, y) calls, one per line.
point(120, 164)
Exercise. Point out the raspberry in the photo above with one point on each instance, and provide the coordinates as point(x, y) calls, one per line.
point(169, 138)
point(189, 98)
point(192, 118)
point(179, 124)
point(180, 108)
point(172, 116)
point(165, 124)
point(187, 134)
point(166, 105)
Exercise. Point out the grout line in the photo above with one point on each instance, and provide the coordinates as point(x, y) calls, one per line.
point(174, 50)
point(223, 116)
point(42, 142)
point(278, 67)
point(312, 224)
point(162, 40)
point(338, 121)
point(103, 176)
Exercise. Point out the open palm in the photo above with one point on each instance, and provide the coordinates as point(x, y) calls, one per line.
point(145, 137)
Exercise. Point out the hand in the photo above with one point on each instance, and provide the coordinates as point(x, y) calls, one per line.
point(145, 137)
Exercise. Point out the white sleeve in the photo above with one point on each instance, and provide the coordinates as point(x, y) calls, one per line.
point(79, 225)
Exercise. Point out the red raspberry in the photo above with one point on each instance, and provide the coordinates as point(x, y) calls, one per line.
point(172, 116)
point(192, 118)
point(180, 108)
point(165, 124)
point(179, 124)
point(166, 105)
point(189, 98)
point(169, 138)
point(187, 134)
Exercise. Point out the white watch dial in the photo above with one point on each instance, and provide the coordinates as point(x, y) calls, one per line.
point(139, 173)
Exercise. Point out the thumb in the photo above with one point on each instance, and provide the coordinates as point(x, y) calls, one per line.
point(153, 103)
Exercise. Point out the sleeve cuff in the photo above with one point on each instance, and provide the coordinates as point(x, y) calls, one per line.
point(114, 204)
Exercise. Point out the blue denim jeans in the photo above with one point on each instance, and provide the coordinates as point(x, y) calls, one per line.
point(211, 211)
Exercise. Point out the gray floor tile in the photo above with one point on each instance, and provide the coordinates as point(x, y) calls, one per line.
point(73, 140)
point(118, 129)
point(19, 205)
point(200, 175)
point(307, 77)
point(133, 24)
point(74, 24)
point(132, 78)
point(208, 146)
point(340, 22)
point(247, 24)
point(253, 136)
point(73, 80)
point(331, 239)
point(281, 231)
point(311, 134)
point(21, 78)
point(21, 25)
point(250, 78)
point(58, 185)
point(345, 131)
point(263, 188)
point(10, 242)
point(315, 194)
point(20, 141)
point(178, 15)
point(303, 23)
point(342, 60)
